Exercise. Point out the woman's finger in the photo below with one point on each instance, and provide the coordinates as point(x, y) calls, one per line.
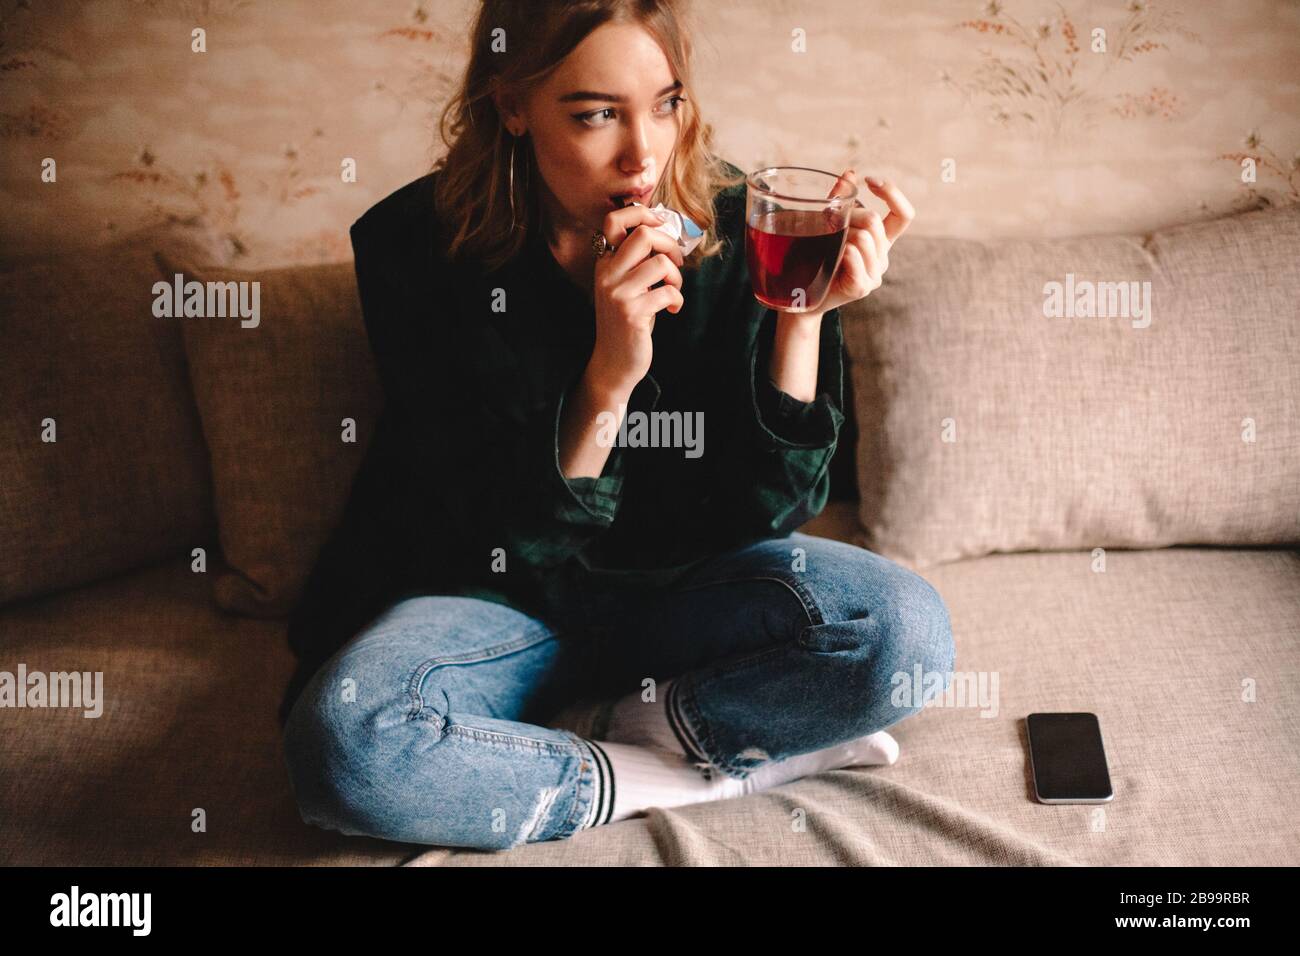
point(865, 244)
point(858, 281)
point(844, 185)
point(875, 226)
point(901, 212)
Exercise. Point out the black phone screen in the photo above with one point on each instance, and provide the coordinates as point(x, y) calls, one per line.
point(1069, 761)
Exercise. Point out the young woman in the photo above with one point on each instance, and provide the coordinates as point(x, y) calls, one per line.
point(505, 554)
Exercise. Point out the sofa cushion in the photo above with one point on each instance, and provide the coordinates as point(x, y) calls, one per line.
point(125, 480)
point(986, 425)
point(187, 723)
point(273, 397)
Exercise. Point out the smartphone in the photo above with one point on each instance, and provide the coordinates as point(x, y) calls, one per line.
point(1068, 759)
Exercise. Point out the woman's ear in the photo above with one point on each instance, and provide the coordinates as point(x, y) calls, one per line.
point(508, 109)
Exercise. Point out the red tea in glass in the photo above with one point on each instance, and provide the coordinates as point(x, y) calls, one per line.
point(795, 234)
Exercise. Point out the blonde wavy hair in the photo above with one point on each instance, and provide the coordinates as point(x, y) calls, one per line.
point(473, 184)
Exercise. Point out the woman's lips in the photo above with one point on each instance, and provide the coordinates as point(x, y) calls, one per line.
point(620, 199)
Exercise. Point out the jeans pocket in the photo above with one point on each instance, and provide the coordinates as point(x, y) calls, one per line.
point(419, 694)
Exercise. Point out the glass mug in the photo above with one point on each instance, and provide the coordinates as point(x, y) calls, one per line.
point(795, 233)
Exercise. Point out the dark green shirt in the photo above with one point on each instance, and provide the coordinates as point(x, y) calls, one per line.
point(463, 471)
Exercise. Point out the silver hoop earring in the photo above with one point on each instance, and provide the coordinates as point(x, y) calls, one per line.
point(513, 143)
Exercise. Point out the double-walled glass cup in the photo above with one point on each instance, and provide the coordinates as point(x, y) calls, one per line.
point(796, 227)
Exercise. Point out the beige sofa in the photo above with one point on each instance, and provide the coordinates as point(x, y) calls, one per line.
point(1155, 582)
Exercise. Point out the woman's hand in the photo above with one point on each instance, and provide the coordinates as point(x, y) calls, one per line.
point(625, 302)
point(866, 253)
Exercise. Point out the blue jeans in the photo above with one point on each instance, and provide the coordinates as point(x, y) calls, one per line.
point(428, 726)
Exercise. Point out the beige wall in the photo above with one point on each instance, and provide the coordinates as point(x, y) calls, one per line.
point(243, 142)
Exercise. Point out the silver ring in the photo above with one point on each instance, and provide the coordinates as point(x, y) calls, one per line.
point(600, 244)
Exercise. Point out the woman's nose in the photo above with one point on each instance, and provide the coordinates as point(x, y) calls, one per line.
point(645, 169)
point(639, 151)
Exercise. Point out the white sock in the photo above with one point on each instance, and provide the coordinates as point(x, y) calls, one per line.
point(871, 750)
point(655, 723)
point(630, 778)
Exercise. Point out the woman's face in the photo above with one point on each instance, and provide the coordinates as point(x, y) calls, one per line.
point(604, 124)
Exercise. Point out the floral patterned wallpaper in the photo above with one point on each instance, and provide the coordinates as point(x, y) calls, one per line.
point(999, 118)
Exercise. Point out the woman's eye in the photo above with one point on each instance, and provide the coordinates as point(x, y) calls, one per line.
point(585, 118)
